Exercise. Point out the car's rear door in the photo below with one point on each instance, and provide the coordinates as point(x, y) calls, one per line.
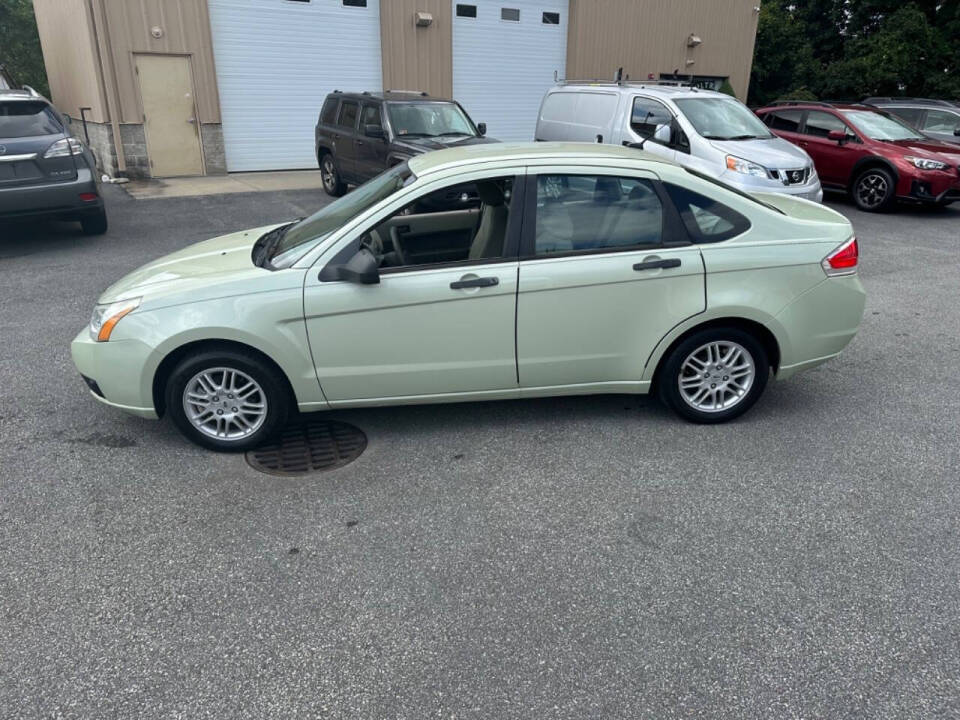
point(606, 271)
point(28, 129)
point(344, 136)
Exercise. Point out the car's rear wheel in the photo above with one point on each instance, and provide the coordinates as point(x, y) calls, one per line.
point(95, 223)
point(714, 375)
point(874, 189)
point(226, 400)
point(330, 176)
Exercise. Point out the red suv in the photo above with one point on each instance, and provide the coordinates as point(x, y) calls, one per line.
point(870, 154)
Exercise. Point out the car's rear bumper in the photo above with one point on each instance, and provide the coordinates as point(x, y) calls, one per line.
point(115, 372)
point(56, 199)
point(821, 323)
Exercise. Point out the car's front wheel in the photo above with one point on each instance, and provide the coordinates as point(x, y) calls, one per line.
point(330, 176)
point(874, 189)
point(714, 375)
point(226, 400)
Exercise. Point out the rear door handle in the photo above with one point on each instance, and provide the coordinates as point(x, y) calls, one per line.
point(475, 282)
point(657, 264)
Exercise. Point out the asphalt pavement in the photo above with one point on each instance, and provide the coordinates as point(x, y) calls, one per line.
point(586, 557)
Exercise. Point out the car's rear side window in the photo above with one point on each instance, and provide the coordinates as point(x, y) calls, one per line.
point(329, 113)
point(785, 120)
point(348, 114)
point(27, 119)
point(706, 220)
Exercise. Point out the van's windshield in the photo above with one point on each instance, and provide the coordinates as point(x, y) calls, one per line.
point(718, 118)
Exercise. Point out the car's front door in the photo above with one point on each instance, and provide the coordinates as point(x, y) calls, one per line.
point(441, 319)
point(652, 123)
point(370, 153)
point(833, 160)
point(606, 272)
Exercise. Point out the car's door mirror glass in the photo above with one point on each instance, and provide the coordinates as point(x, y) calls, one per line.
point(374, 131)
point(362, 268)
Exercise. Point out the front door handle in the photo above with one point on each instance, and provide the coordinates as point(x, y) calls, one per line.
point(475, 282)
point(657, 264)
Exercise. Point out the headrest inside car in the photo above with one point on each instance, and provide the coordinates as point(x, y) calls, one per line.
point(490, 192)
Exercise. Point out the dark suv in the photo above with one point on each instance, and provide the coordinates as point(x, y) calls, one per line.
point(937, 119)
point(869, 153)
point(359, 135)
point(44, 171)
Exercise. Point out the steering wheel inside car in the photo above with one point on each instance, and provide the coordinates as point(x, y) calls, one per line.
point(372, 242)
point(397, 245)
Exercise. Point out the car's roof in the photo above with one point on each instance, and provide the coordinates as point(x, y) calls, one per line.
point(506, 152)
point(390, 96)
point(814, 105)
point(17, 94)
point(668, 91)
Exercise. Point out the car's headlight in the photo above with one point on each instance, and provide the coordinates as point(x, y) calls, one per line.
point(813, 172)
point(64, 148)
point(746, 167)
point(925, 163)
point(105, 317)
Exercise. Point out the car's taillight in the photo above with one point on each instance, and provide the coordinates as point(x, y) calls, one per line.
point(843, 260)
point(64, 148)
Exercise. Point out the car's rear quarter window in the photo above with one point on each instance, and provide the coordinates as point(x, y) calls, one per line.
point(27, 119)
point(329, 113)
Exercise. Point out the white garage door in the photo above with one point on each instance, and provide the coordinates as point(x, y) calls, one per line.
point(276, 60)
point(504, 58)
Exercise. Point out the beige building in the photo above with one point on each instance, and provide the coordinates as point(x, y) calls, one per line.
point(188, 87)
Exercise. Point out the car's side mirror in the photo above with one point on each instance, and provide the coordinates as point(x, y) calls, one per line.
point(482, 128)
point(362, 269)
point(662, 134)
point(374, 131)
point(957, 132)
point(837, 135)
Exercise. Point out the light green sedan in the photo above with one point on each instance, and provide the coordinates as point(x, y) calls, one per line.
point(483, 273)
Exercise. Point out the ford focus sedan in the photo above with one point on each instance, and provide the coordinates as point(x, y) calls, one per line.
point(567, 269)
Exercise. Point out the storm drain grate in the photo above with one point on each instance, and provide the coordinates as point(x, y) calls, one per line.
point(309, 446)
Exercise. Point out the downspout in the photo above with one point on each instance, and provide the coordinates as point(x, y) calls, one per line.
point(98, 15)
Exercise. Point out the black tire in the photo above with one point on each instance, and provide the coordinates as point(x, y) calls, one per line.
point(672, 370)
point(333, 185)
point(272, 387)
point(874, 189)
point(95, 223)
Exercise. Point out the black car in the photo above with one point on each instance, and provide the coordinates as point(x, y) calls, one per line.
point(44, 171)
point(359, 135)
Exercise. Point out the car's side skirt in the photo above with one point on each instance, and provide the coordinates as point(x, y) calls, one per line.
point(631, 387)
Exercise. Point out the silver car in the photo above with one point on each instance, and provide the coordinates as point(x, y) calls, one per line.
point(700, 129)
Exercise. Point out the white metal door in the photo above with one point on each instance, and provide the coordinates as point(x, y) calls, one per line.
point(276, 61)
point(503, 67)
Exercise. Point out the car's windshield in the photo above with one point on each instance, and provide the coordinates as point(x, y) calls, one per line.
point(880, 127)
point(300, 238)
point(428, 119)
point(722, 119)
point(27, 119)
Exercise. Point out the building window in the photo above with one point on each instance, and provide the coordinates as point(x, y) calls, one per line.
point(550, 18)
point(354, 3)
point(511, 14)
point(467, 11)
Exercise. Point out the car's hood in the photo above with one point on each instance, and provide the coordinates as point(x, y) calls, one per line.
point(424, 144)
point(933, 149)
point(774, 153)
point(204, 264)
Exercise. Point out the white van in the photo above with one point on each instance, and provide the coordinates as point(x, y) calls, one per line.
point(704, 130)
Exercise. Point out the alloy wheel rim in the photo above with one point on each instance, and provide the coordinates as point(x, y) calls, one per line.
point(327, 173)
point(872, 189)
point(224, 403)
point(716, 376)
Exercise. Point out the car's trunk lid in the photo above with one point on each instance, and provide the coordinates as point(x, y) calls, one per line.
point(801, 209)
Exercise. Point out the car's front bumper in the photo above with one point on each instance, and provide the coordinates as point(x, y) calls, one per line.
point(809, 191)
point(116, 372)
point(57, 199)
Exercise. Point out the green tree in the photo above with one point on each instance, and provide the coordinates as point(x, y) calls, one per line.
point(20, 45)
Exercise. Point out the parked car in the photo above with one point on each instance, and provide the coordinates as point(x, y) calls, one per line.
point(359, 135)
point(870, 154)
point(44, 171)
point(704, 130)
point(587, 269)
point(937, 119)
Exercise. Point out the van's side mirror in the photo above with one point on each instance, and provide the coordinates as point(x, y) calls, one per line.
point(838, 135)
point(374, 131)
point(482, 128)
point(662, 134)
point(957, 132)
point(362, 269)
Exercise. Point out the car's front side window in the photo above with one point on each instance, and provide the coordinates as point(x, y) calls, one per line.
point(647, 116)
point(589, 213)
point(940, 121)
point(821, 124)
